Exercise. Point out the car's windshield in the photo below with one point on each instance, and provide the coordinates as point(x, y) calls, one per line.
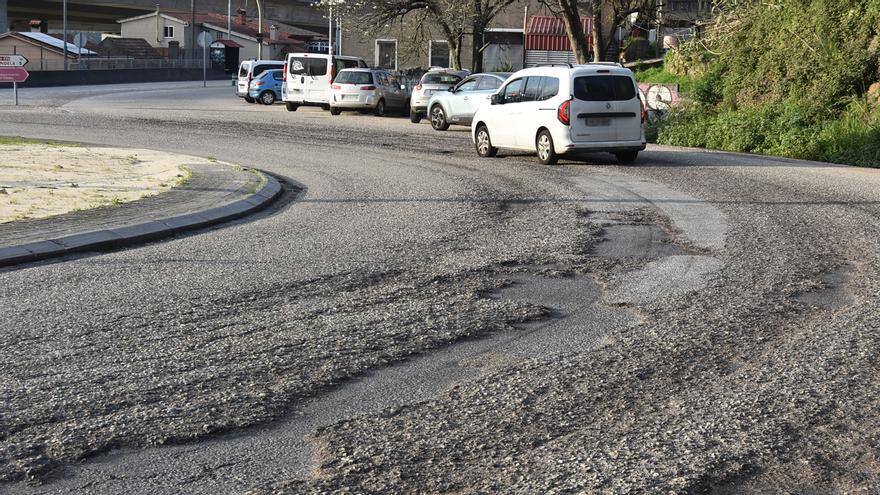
point(354, 77)
point(440, 78)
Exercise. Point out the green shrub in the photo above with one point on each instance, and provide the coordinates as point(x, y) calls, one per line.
point(783, 78)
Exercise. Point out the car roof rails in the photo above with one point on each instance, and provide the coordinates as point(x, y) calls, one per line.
point(557, 64)
point(609, 64)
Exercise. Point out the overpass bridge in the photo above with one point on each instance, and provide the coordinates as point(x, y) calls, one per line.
point(101, 15)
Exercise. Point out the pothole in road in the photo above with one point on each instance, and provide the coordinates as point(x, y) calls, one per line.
point(636, 241)
point(832, 293)
point(240, 460)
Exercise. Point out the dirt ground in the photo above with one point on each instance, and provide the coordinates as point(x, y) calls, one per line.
point(39, 180)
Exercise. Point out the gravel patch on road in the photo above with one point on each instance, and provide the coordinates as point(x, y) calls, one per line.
point(737, 387)
point(745, 384)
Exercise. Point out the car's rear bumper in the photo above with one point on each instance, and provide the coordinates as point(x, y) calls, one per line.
point(566, 146)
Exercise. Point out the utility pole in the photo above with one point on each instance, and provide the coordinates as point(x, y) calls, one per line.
point(64, 31)
point(4, 16)
point(229, 20)
point(192, 28)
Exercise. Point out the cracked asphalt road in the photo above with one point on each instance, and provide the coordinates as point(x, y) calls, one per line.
point(419, 320)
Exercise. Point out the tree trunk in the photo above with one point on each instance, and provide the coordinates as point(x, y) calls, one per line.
point(455, 52)
point(476, 52)
point(574, 29)
point(598, 33)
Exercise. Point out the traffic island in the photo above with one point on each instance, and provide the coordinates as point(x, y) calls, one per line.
point(57, 199)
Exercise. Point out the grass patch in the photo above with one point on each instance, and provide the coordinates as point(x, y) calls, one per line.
point(18, 140)
point(658, 75)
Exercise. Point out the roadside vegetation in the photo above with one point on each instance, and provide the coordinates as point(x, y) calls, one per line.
point(787, 78)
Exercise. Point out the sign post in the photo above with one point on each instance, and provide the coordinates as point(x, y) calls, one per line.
point(205, 39)
point(12, 70)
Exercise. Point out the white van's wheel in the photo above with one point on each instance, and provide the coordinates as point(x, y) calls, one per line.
point(546, 152)
point(291, 107)
point(335, 111)
point(249, 99)
point(484, 143)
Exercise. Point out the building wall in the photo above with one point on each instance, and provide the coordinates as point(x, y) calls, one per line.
point(34, 54)
point(153, 32)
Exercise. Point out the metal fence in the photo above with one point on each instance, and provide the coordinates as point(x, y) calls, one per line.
point(43, 60)
point(111, 63)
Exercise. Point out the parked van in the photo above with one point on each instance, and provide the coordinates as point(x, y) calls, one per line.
point(559, 110)
point(249, 69)
point(307, 78)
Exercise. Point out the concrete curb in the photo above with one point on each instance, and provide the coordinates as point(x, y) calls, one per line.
point(139, 233)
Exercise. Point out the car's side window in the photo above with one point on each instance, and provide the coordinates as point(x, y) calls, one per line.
point(382, 79)
point(278, 75)
point(513, 91)
point(488, 83)
point(467, 85)
point(533, 88)
point(549, 89)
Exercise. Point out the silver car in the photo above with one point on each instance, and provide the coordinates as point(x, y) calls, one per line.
point(434, 81)
point(375, 90)
point(458, 105)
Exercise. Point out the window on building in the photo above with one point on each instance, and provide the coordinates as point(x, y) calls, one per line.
point(438, 53)
point(386, 54)
point(168, 32)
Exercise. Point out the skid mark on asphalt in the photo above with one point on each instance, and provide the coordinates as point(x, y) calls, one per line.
point(237, 461)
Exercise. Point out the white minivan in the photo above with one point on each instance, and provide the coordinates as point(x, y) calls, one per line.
point(249, 69)
point(307, 78)
point(559, 110)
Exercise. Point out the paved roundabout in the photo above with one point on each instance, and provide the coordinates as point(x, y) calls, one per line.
point(418, 319)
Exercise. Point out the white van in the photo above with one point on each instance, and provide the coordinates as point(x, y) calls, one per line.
point(307, 78)
point(559, 110)
point(247, 70)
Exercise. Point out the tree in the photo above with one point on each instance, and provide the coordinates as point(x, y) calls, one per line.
point(482, 13)
point(415, 20)
point(614, 11)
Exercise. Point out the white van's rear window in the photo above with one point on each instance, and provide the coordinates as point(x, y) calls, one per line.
point(604, 88)
point(303, 66)
point(243, 70)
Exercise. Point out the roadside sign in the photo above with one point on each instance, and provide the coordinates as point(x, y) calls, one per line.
point(80, 40)
point(13, 61)
point(205, 39)
point(217, 44)
point(13, 74)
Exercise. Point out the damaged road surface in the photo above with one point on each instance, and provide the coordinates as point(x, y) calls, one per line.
point(420, 320)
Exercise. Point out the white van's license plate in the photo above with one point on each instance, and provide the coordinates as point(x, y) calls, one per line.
point(598, 122)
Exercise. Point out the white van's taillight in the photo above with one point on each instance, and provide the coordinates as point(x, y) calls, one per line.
point(563, 113)
point(284, 77)
point(644, 110)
